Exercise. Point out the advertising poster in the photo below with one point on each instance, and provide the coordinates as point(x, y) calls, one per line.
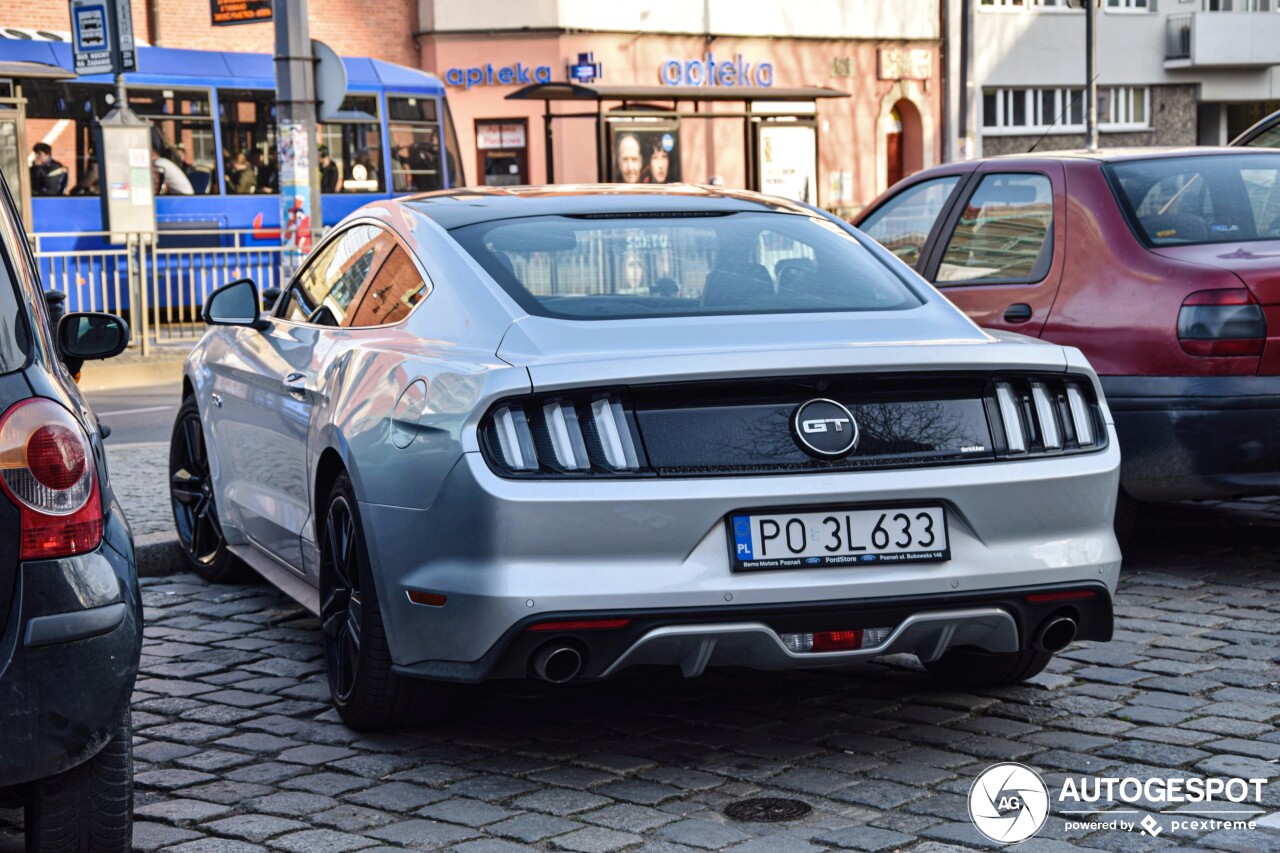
point(789, 162)
point(294, 151)
point(644, 153)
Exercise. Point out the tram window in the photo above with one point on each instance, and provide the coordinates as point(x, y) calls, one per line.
point(354, 141)
point(247, 118)
point(181, 131)
point(415, 144)
point(62, 115)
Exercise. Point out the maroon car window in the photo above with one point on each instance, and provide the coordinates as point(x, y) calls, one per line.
point(902, 224)
point(1210, 199)
point(1003, 234)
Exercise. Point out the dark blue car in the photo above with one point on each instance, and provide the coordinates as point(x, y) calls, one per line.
point(70, 611)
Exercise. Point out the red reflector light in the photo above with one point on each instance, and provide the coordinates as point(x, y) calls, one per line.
point(1240, 346)
point(1228, 296)
point(47, 536)
point(55, 456)
point(580, 625)
point(431, 599)
point(837, 641)
point(1069, 595)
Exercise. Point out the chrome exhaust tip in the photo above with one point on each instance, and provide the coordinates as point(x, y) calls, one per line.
point(1056, 634)
point(557, 664)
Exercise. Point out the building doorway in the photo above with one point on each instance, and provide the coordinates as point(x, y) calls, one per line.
point(903, 142)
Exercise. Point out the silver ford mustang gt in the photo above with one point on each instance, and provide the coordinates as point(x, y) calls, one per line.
point(560, 432)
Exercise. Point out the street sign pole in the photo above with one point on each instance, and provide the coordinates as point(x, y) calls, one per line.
point(1091, 74)
point(296, 132)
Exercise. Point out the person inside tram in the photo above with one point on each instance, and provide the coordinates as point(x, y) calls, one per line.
point(241, 179)
point(48, 176)
point(266, 171)
point(330, 175)
point(87, 183)
point(170, 179)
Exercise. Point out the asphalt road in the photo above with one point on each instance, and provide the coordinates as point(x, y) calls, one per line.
point(137, 414)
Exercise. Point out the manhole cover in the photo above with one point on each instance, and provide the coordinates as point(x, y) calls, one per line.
point(767, 810)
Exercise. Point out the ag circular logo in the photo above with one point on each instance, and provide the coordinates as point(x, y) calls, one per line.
point(825, 429)
point(1008, 802)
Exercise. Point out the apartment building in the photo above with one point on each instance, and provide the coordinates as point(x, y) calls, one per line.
point(1170, 72)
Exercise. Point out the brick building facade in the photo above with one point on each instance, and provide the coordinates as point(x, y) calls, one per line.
point(383, 30)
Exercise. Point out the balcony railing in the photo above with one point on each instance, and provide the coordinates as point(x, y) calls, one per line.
point(1177, 37)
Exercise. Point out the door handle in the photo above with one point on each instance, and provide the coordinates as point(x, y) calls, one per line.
point(1018, 312)
point(217, 400)
point(296, 384)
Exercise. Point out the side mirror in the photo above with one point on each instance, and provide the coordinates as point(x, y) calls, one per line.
point(83, 336)
point(235, 304)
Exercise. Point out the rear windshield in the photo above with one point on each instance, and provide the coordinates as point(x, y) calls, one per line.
point(13, 328)
point(1212, 199)
point(611, 267)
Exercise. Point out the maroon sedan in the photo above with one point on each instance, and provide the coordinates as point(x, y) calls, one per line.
point(1162, 265)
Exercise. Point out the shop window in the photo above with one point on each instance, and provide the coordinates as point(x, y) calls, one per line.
point(902, 224)
point(1004, 233)
point(1123, 108)
point(503, 152)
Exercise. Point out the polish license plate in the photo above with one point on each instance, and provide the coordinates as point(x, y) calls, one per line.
point(833, 538)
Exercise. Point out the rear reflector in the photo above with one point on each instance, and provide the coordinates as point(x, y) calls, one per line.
point(1068, 595)
point(431, 599)
point(836, 641)
point(580, 625)
point(1222, 323)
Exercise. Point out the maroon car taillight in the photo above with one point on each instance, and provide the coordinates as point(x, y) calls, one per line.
point(47, 471)
point(1225, 322)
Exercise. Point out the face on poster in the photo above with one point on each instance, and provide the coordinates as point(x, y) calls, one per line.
point(645, 154)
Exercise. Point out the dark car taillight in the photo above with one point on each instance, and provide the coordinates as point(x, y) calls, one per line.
point(1222, 323)
point(47, 471)
point(1044, 415)
point(563, 435)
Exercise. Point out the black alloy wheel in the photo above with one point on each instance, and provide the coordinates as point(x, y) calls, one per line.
point(195, 512)
point(341, 602)
point(367, 691)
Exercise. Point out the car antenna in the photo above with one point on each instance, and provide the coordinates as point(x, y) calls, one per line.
point(1050, 128)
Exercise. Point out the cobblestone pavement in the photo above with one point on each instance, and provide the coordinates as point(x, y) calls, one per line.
point(237, 749)
point(140, 478)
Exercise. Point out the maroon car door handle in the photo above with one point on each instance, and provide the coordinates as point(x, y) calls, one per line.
point(1018, 312)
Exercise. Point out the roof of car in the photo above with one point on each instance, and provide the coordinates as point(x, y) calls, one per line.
point(1111, 155)
point(456, 208)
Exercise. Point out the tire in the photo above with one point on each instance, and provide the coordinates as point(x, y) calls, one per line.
point(195, 513)
point(89, 808)
point(1128, 514)
point(367, 694)
point(969, 667)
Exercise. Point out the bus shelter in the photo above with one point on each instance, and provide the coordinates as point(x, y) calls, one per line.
point(648, 114)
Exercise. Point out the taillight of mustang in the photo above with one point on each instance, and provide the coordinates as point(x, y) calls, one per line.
point(583, 434)
point(1225, 322)
point(47, 471)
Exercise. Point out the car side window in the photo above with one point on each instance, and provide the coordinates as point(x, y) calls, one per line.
point(393, 289)
point(902, 224)
point(324, 289)
point(1004, 233)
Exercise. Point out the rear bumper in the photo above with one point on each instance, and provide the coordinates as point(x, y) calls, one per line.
point(502, 553)
point(68, 657)
point(1195, 438)
point(695, 638)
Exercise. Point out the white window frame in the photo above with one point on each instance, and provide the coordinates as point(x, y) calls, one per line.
point(1118, 118)
point(1037, 121)
point(1128, 7)
point(1120, 109)
point(1016, 6)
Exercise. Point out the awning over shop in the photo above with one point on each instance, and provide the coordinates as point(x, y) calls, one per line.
point(580, 92)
